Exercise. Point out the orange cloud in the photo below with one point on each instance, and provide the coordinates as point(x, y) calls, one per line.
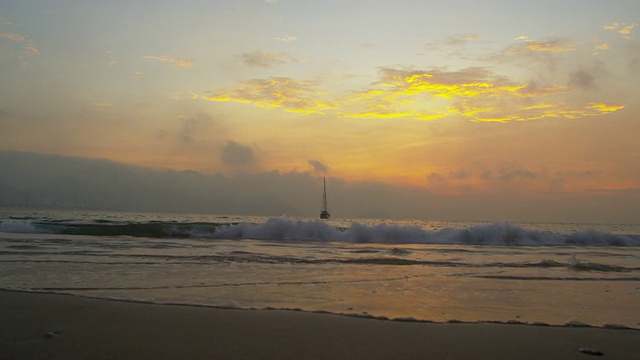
point(181, 63)
point(11, 36)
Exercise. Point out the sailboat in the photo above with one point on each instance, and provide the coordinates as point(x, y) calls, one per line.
point(324, 214)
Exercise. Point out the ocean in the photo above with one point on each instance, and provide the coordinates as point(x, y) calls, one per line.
point(403, 270)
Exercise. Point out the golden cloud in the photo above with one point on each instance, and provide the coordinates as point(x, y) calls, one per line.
point(277, 92)
point(400, 91)
point(473, 93)
point(623, 29)
point(547, 111)
point(604, 108)
point(181, 63)
point(540, 106)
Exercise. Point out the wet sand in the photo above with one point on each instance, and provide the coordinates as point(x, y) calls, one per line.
point(44, 326)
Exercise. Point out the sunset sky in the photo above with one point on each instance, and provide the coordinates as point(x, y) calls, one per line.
point(520, 99)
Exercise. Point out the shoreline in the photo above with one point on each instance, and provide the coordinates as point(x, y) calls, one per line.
point(55, 326)
point(569, 324)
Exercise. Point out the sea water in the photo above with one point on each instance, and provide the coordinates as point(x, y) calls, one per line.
point(411, 270)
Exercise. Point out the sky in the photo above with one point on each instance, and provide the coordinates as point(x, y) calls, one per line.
point(482, 109)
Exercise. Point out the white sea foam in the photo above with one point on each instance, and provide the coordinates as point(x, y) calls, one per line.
point(503, 233)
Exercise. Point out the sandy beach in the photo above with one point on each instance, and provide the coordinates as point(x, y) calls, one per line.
point(44, 326)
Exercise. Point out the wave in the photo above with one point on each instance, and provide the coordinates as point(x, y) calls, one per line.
point(152, 229)
point(573, 266)
point(503, 233)
point(279, 229)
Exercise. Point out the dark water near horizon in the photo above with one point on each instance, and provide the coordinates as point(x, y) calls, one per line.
point(398, 269)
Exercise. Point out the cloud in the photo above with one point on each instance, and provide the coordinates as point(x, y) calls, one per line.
point(31, 50)
point(267, 59)
point(476, 93)
point(598, 47)
point(459, 175)
point(277, 92)
point(318, 166)
point(508, 174)
point(603, 108)
point(512, 174)
point(287, 38)
point(271, 1)
point(453, 175)
point(368, 45)
point(181, 63)
point(67, 180)
point(236, 154)
point(535, 46)
point(11, 36)
point(28, 50)
point(188, 129)
point(586, 77)
point(4, 114)
point(111, 61)
point(458, 40)
point(4, 22)
point(436, 178)
point(582, 79)
point(623, 29)
point(192, 126)
point(399, 92)
point(585, 174)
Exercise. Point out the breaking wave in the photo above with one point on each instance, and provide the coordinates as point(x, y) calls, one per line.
point(281, 229)
point(503, 233)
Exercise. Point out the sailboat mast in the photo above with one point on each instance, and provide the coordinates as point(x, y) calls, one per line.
point(324, 195)
point(324, 214)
